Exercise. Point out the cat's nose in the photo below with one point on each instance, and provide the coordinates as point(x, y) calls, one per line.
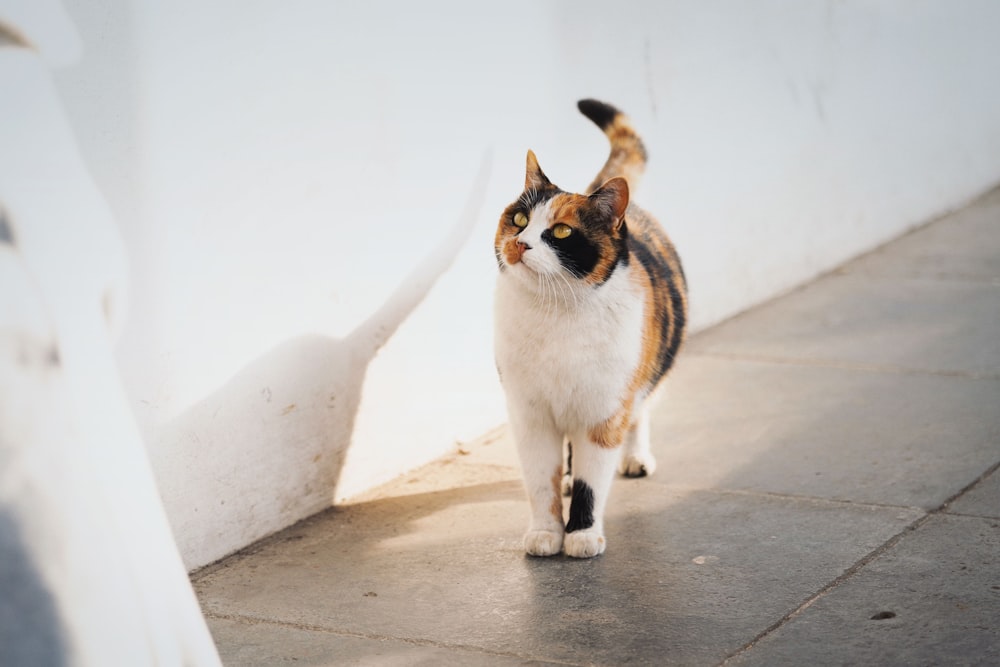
point(522, 246)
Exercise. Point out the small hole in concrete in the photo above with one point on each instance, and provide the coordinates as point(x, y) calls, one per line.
point(884, 615)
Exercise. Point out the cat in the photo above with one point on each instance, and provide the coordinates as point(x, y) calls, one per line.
point(590, 311)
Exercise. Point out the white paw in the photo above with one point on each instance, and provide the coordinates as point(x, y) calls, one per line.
point(637, 465)
point(584, 544)
point(543, 542)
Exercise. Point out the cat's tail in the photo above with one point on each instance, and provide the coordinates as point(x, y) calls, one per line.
point(628, 155)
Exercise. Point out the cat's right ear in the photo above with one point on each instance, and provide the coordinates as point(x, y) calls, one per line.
point(534, 179)
point(612, 198)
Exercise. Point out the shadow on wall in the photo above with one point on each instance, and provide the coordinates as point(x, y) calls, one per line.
point(299, 402)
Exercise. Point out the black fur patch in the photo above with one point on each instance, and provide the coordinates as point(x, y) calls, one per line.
point(662, 275)
point(529, 199)
point(575, 252)
point(667, 354)
point(581, 508)
point(602, 114)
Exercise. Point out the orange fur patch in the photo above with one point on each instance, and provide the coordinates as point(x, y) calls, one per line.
point(557, 508)
point(512, 251)
point(660, 307)
point(505, 243)
point(611, 432)
point(628, 155)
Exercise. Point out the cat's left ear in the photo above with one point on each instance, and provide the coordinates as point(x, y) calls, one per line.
point(534, 178)
point(612, 198)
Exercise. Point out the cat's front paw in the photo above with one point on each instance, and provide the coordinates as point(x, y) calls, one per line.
point(543, 542)
point(584, 544)
point(637, 465)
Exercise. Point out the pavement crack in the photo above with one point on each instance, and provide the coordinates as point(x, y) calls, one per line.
point(413, 641)
point(819, 500)
point(860, 366)
point(844, 577)
point(860, 564)
point(976, 279)
point(943, 507)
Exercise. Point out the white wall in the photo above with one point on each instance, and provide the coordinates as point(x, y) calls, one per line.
point(279, 169)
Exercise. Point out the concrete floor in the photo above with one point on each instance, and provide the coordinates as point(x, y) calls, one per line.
point(827, 494)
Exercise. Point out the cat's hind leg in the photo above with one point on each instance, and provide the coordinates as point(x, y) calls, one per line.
point(567, 479)
point(636, 458)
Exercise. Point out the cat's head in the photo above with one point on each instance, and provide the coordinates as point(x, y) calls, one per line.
point(548, 233)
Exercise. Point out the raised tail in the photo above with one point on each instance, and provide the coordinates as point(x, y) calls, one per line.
point(628, 155)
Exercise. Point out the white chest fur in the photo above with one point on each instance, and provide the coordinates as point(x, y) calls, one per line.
point(567, 352)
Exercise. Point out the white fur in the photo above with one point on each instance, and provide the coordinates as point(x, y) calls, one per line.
point(566, 352)
point(570, 350)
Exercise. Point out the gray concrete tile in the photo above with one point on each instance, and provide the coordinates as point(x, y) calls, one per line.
point(982, 500)
point(688, 576)
point(889, 438)
point(244, 644)
point(932, 599)
point(928, 325)
point(962, 246)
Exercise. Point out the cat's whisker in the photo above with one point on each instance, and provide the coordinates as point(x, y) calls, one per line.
point(543, 301)
point(555, 291)
point(553, 305)
point(543, 297)
point(540, 291)
point(569, 289)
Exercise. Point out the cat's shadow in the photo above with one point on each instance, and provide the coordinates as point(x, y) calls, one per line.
point(267, 448)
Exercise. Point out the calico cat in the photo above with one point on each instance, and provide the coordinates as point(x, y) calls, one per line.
point(590, 309)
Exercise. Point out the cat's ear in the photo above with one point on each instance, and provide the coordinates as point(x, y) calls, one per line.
point(612, 198)
point(534, 179)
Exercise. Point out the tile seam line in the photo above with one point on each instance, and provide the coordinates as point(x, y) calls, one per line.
point(427, 643)
point(946, 505)
point(966, 515)
point(946, 278)
point(857, 566)
point(842, 578)
point(886, 369)
point(816, 500)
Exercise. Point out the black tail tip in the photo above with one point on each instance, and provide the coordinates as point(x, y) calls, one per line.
point(602, 114)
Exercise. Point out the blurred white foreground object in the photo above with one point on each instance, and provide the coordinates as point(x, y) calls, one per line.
point(89, 572)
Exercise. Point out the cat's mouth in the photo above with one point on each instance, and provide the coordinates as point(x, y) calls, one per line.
point(522, 271)
point(526, 263)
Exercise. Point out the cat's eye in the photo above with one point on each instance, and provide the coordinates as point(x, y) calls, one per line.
point(520, 220)
point(561, 231)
